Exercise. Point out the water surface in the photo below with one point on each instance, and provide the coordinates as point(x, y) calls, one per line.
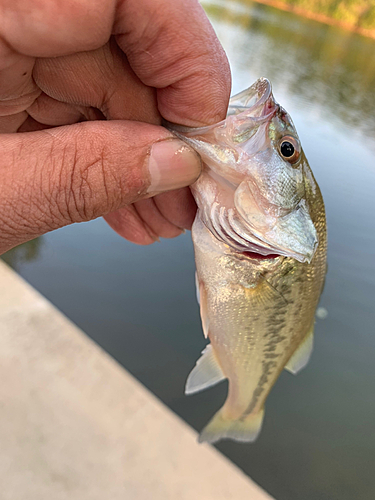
point(318, 439)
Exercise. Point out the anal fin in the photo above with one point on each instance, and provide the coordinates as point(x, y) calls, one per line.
point(205, 373)
point(301, 356)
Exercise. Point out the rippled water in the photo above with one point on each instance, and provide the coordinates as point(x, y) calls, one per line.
point(318, 439)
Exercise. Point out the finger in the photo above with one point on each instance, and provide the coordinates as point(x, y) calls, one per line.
point(31, 125)
point(12, 123)
point(32, 29)
point(102, 79)
point(50, 28)
point(128, 224)
point(151, 215)
point(172, 46)
point(142, 223)
point(54, 113)
point(178, 207)
point(66, 77)
point(55, 177)
point(17, 88)
point(139, 223)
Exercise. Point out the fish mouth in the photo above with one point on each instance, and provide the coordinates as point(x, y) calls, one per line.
point(256, 105)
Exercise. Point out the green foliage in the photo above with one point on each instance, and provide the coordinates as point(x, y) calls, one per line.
point(357, 13)
point(368, 18)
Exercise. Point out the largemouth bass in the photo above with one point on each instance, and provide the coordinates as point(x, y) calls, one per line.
point(260, 248)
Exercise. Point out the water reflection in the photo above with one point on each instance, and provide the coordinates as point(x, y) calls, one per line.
point(27, 252)
point(325, 66)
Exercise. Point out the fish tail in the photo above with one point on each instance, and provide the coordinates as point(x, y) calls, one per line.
point(243, 429)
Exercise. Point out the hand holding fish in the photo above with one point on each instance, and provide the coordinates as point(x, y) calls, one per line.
point(83, 89)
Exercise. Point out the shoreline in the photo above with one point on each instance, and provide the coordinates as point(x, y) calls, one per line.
point(278, 4)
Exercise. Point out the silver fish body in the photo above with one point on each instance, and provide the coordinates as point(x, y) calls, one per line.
point(260, 247)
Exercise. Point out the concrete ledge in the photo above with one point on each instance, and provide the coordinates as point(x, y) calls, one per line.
point(75, 425)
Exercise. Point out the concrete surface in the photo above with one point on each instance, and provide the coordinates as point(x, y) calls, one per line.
point(74, 425)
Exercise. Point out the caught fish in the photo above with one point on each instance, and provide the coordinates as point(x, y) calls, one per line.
point(260, 248)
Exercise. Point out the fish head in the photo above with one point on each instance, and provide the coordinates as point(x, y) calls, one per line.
point(251, 194)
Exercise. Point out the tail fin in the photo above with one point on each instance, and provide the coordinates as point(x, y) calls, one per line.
point(246, 430)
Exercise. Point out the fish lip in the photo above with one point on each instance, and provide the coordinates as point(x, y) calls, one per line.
point(263, 89)
point(233, 110)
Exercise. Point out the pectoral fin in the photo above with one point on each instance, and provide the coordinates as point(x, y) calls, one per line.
point(206, 372)
point(301, 356)
point(197, 288)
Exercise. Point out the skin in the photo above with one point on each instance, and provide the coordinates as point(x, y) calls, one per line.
point(68, 70)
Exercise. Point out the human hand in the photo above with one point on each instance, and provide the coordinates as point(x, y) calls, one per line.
point(67, 71)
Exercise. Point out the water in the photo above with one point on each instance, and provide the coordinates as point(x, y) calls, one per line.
point(318, 438)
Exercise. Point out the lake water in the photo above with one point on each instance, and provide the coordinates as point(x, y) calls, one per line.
point(138, 303)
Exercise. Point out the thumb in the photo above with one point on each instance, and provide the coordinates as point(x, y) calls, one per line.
point(58, 176)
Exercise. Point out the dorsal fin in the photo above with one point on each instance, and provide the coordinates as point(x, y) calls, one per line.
point(205, 373)
point(302, 354)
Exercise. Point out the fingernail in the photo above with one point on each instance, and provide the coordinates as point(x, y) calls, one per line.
point(172, 165)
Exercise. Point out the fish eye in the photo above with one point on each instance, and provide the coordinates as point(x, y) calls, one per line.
point(289, 149)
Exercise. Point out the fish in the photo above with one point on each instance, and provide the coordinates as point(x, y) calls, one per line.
point(260, 244)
